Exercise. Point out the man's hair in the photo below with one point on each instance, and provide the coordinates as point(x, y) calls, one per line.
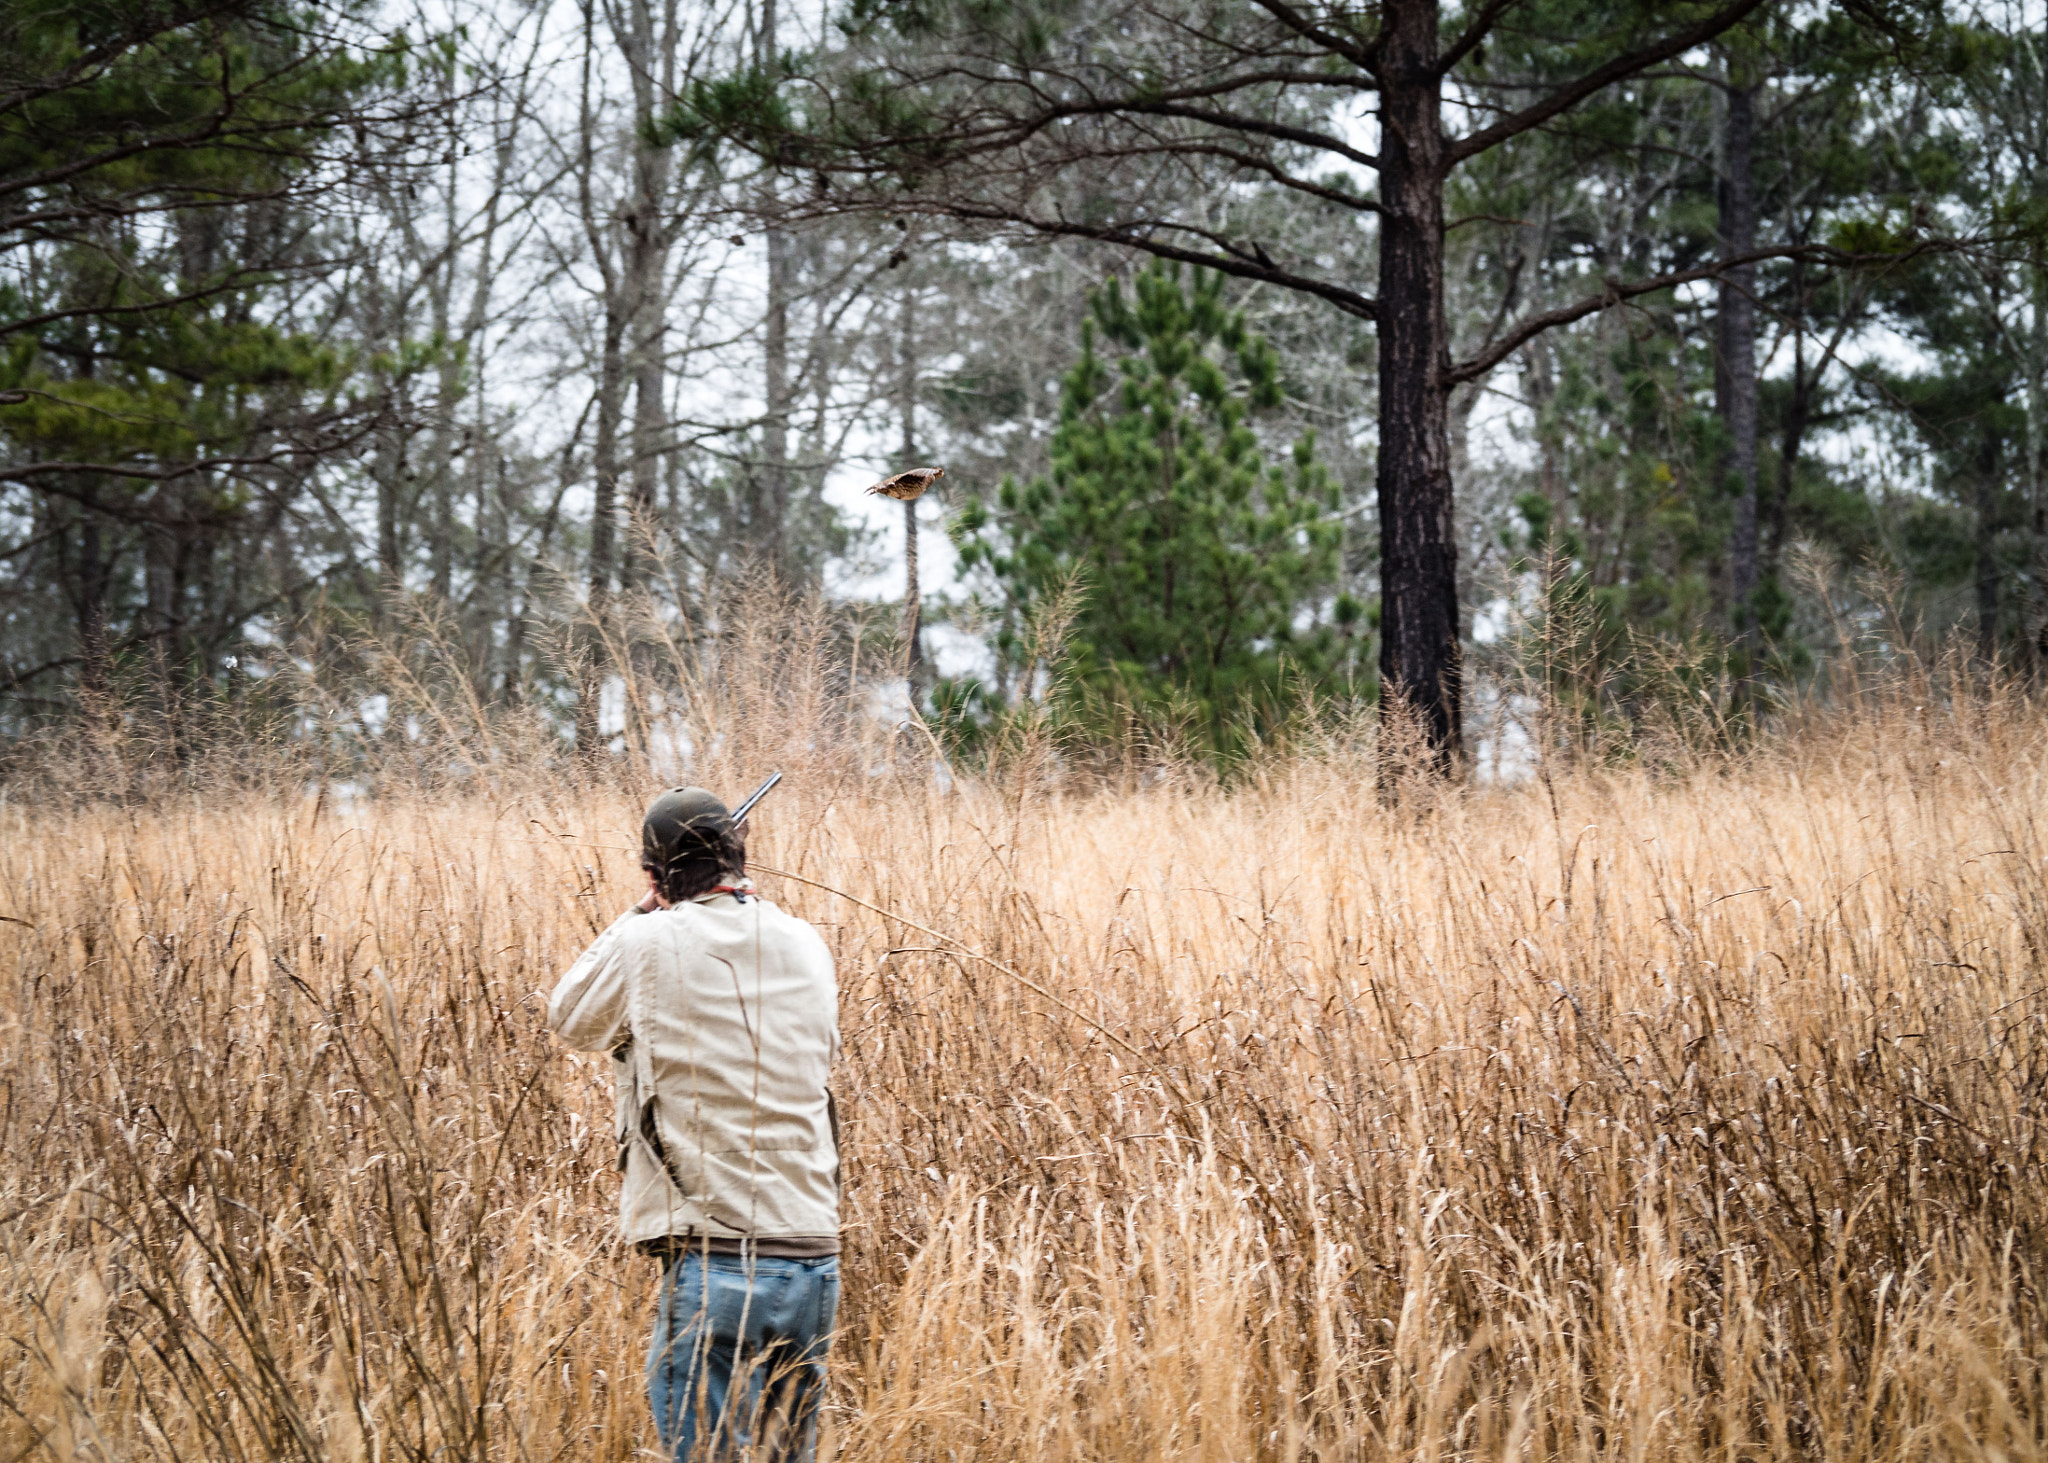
point(703, 863)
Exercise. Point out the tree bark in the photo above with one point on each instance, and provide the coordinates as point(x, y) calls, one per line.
point(772, 528)
point(1735, 354)
point(393, 473)
point(387, 466)
point(906, 405)
point(611, 405)
point(1791, 443)
point(604, 515)
point(493, 563)
point(646, 269)
point(1987, 546)
point(650, 421)
point(447, 399)
point(913, 653)
point(2037, 489)
point(1421, 673)
point(95, 574)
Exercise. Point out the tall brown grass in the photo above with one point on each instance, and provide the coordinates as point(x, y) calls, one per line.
point(1616, 1115)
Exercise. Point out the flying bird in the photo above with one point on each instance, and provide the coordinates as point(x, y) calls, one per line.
point(907, 485)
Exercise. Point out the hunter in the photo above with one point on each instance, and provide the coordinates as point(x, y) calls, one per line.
point(721, 1015)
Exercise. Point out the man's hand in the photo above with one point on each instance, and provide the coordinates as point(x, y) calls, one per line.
point(653, 901)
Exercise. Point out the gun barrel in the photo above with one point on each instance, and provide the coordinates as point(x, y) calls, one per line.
point(758, 793)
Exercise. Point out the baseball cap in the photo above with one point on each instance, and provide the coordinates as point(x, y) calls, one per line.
point(681, 822)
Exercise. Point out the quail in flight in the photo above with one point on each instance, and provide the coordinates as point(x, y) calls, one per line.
point(907, 485)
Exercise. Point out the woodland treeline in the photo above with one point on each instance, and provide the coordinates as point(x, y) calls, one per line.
point(1283, 358)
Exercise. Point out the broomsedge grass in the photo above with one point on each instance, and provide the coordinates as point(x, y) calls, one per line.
point(1612, 1116)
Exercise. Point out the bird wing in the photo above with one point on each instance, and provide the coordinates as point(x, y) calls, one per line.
point(907, 484)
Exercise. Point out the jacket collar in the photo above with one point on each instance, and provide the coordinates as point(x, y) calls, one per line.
point(741, 889)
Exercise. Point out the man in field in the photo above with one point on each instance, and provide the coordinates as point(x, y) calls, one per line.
point(721, 1014)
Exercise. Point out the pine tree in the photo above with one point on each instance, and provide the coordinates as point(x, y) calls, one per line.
point(160, 398)
point(1205, 570)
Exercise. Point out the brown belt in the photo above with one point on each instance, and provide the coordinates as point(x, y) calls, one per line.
point(768, 1247)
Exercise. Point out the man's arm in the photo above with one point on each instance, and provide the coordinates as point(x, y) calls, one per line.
point(588, 1008)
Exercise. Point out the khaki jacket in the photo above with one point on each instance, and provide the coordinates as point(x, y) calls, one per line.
point(722, 1020)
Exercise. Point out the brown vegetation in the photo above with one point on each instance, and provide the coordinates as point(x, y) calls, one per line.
point(1628, 1115)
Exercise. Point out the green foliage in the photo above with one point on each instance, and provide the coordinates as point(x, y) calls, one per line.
point(146, 343)
point(1205, 571)
point(751, 109)
point(130, 98)
point(1629, 505)
point(163, 163)
point(1977, 165)
point(746, 103)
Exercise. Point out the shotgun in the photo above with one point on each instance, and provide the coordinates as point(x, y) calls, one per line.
point(740, 815)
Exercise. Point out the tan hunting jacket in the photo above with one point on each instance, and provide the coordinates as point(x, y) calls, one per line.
point(722, 1020)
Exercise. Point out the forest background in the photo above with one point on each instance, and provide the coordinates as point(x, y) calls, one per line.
point(341, 340)
point(338, 337)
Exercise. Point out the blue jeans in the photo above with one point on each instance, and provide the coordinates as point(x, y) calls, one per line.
point(738, 1356)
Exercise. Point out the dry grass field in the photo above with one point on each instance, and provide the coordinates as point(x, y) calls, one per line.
point(1624, 1116)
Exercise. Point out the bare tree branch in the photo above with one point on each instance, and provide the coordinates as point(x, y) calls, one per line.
point(1364, 57)
point(1617, 290)
point(1135, 236)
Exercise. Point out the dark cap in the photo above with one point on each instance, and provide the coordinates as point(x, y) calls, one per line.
point(682, 822)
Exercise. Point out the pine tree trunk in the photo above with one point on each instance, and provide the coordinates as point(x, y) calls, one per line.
point(906, 406)
point(772, 526)
point(1735, 356)
point(95, 682)
point(387, 458)
point(1420, 666)
point(913, 655)
point(1987, 547)
point(2037, 489)
point(387, 469)
point(1791, 444)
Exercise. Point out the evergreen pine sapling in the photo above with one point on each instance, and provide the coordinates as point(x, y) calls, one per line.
point(1207, 572)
